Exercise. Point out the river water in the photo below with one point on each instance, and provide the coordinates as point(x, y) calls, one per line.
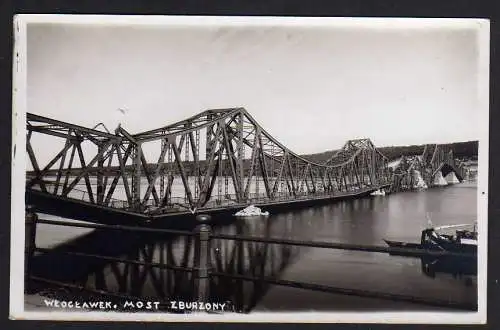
point(367, 221)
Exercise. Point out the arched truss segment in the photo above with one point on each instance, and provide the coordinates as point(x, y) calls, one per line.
point(216, 158)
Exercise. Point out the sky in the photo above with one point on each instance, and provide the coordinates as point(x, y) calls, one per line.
point(312, 88)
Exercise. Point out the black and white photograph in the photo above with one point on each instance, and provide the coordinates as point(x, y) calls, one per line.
point(249, 169)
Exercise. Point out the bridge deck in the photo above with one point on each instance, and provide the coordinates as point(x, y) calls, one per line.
point(86, 211)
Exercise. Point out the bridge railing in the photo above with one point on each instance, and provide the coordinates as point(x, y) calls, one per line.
point(182, 203)
point(178, 204)
point(83, 195)
point(203, 270)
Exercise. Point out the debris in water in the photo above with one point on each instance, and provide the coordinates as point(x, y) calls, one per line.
point(379, 192)
point(251, 211)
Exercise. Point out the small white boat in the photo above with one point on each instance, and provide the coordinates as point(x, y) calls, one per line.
point(379, 192)
point(251, 211)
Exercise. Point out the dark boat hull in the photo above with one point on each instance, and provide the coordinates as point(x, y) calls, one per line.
point(430, 240)
point(433, 246)
point(397, 244)
point(403, 245)
point(431, 265)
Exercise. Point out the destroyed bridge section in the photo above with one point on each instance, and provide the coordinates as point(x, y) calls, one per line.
point(426, 170)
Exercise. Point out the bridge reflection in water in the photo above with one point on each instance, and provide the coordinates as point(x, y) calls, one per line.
point(125, 265)
point(159, 267)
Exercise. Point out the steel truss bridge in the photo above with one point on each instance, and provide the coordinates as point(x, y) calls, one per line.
point(216, 160)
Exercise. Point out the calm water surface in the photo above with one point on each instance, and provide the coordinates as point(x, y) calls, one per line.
point(368, 221)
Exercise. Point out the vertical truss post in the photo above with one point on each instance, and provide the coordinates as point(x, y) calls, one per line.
point(219, 177)
point(257, 177)
point(136, 176)
point(186, 160)
point(344, 175)
point(210, 144)
point(226, 176)
point(196, 155)
point(100, 174)
point(241, 156)
point(273, 174)
point(68, 170)
point(170, 172)
point(162, 173)
point(263, 168)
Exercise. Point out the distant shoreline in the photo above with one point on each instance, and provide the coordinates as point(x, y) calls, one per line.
point(466, 150)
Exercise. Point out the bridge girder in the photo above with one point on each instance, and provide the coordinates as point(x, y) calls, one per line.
point(215, 158)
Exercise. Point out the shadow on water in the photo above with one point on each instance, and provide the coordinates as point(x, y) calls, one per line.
point(159, 267)
point(456, 267)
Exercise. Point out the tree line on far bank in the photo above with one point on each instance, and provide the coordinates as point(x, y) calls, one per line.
point(460, 150)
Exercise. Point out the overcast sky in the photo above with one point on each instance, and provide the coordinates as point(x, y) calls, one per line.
point(311, 88)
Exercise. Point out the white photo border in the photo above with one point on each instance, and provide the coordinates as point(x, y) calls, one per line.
point(17, 310)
